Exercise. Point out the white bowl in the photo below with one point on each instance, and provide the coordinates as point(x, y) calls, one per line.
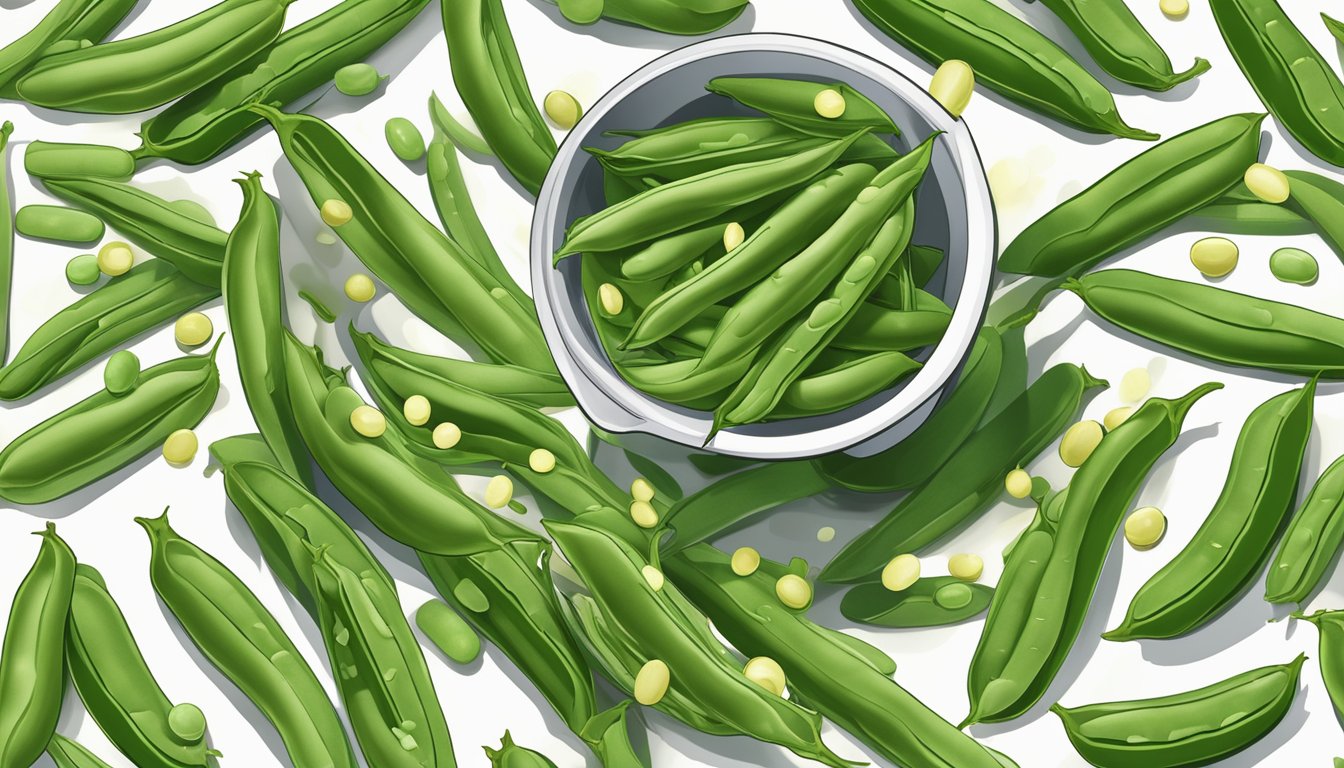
point(955, 213)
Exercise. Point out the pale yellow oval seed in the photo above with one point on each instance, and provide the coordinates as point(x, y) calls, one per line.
point(1116, 416)
point(653, 576)
point(498, 492)
point(829, 103)
point(446, 435)
point(416, 410)
point(1079, 442)
point(793, 591)
point(641, 490)
point(652, 681)
point(952, 85)
point(733, 235)
point(745, 561)
point(825, 533)
point(562, 108)
point(193, 329)
point(900, 573)
point(1145, 527)
point(359, 287)
point(368, 421)
point(541, 460)
point(966, 566)
point(1175, 9)
point(613, 301)
point(336, 212)
point(1214, 256)
point(1134, 385)
point(643, 513)
point(1018, 483)
point(765, 672)
point(180, 447)
point(1267, 183)
point(115, 258)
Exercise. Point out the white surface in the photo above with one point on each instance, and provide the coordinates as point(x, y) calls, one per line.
point(484, 699)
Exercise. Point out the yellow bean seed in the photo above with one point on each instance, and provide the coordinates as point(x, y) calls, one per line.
point(829, 103)
point(1267, 183)
point(900, 573)
point(613, 301)
point(652, 681)
point(1134, 385)
point(337, 212)
point(825, 533)
point(653, 576)
point(498, 492)
point(1018, 483)
point(115, 258)
point(641, 490)
point(541, 460)
point(643, 513)
point(765, 672)
point(416, 410)
point(193, 329)
point(1079, 442)
point(745, 561)
point(966, 566)
point(325, 238)
point(1116, 416)
point(368, 421)
point(1214, 256)
point(793, 591)
point(1145, 527)
point(562, 108)
point(446, 435)
point(359, 287)
point(180, 447)
point(952, 85)
point(1175, 9)
point(733, 235)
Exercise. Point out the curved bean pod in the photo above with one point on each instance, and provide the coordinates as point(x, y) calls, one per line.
point(6, 242)
point(1311, 541)
point(1320, 200)
point(721, 505)
point(1120, 45)
point(67, 753)
point(919, 605)
point(69, 20)
point(1330, 626)
point(833, 389)
point(51, 160)
point(672, 16)
point(792, 103)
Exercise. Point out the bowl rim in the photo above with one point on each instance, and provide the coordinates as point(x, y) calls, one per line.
point(616, 406)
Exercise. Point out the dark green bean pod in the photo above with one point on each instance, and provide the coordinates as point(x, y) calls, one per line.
point(510, 755)
point(242, 639)
point(724, 503)
point(930, 602)
point(663, 625)
point(840, 676)
point(70, 20)
point(50, 160)
point(833, 389)
point(1330, 626)
point(67, 753)
point(877, 329)
point(1313, 538)
point(793, 103)
point(1231, 546)
point(490, 79)
point(1143, 195)
point(972, 478)
point(215, 116)
point(149, 221)
point(103, 433)
point(1320, 200)
point(1036, 615)
point(1120, 45)
point(142, 72)
point(6, 241)
point(151, 294)
point(1183, 730)
point(254, 303)
point(430, 273)
point(1008, 56)
point(1217, 324)
point(32, 673)
point(1291, 77)
point(671, 16)
point(117, 686)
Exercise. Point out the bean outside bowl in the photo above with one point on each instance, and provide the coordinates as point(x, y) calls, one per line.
point(954, 212)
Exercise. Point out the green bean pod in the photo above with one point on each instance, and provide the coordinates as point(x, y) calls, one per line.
point(254, 301)
point(929, 602)
point(664, 626)
point(142, 72)
point(458, 134)
point(490, 79)
point(875, 328)
point(32, 674)
point(510, 755)
point(216, 115)
point(148, 296)
point(6, 242)
point(69, 20)
point(448, 631)
point(666, 256)
point(1117, 41)
point(792, 103)
point(608, 732)
point(241, 638)
point(1035, 618)
point(972, 478)
point(1008, 56)
point(428, 271)
point(842, 386)
point(671, 16)
point(1244, 217)
point(1141, 196)
point(722, 504)
point(1330, 626)
point(103, 433)
point(67, 753)
point(49, 160)
point(117, 686)
point(1217, 324)
point(1311, 541)
point(1192, 728)
point(1231, 546)
point(149, 221)
point(1289, 75)
point(1320, 200)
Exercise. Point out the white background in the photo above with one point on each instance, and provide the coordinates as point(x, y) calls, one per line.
point(1034, 163)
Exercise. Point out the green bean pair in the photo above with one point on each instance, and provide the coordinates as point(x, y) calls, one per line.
point(670, 16)
point(69, 21)
point(6, 241)
point(929, 602)
point(1117, 41)
point(1311, 541)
